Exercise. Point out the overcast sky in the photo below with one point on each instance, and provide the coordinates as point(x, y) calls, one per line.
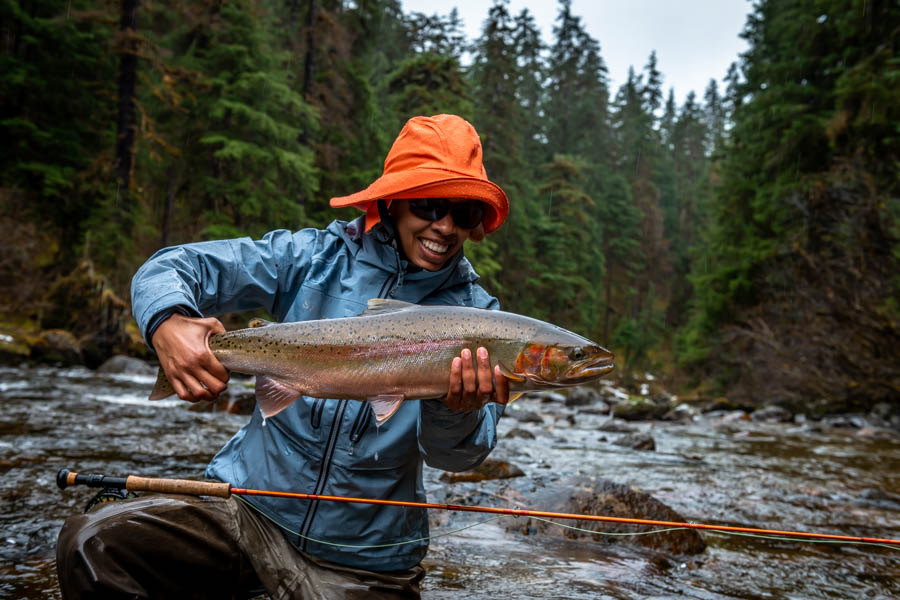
point(695, 40)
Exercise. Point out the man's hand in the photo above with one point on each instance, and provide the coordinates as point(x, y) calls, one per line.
point(184, 354)
point(472, 385)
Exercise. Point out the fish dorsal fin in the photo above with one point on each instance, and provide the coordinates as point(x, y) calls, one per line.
point(383, 306)
point(257, 322)
point(384, 406)
point(272, 397)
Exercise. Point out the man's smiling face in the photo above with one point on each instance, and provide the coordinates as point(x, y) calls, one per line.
point(427, 244)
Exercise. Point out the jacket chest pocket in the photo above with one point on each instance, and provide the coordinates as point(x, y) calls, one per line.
point(390, 446)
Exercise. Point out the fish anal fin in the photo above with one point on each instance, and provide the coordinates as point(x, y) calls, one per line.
point(163, 387)
point(258, 322)
point(509, 374)
point(383, 306)
point(272, 396)
point(384, 406)
point(514, 397)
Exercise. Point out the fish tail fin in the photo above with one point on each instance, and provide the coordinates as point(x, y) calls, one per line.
point(163, 387)
point(272, 397)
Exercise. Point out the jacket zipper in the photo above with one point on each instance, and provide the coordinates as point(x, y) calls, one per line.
point(359, 425)
point(306, 525)
point(315, 415)
point(323, 473)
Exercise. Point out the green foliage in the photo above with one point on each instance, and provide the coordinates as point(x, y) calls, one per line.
point(765, 205)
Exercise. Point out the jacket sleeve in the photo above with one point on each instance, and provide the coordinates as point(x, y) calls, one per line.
point(453, 440)
point(212, 278)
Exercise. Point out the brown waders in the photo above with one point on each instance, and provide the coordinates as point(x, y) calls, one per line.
point(168, 546)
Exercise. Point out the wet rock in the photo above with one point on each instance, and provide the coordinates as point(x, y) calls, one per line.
point(886, 414)
point(600, 408)
point(682, 413)
point(603, 497)
point(13, 347)
point(582, 396)
point(845, 421)
point(520, 433)
point(524, 416)
point(85, 305)
point(640, 408)
point(56, 346)
point(489, 469)
point(126, 365)
point(720, 403)
point(875, 498)
point(637, 441)
point(734, 415)
point(877, 433)
point(548, 397)
point(616, 426)
point(772, 414)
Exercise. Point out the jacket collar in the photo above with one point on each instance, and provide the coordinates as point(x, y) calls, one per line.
point(377, 249)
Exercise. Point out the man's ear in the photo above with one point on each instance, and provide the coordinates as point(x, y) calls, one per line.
point(477, 233)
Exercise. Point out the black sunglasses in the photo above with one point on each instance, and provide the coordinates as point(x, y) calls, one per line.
point(466, 215)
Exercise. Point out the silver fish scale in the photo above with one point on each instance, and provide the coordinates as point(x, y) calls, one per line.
point(406, 351)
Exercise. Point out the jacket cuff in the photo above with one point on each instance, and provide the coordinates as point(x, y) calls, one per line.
point(157, 320)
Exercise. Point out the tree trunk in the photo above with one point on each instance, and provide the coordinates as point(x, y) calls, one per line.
point(308, 61)
point(125, 124)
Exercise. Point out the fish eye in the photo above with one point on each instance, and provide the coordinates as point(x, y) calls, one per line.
point(576, 354)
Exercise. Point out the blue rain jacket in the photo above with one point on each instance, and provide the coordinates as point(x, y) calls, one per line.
point(328, 447)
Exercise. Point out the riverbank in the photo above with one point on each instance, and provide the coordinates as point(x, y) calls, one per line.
point(833, 475)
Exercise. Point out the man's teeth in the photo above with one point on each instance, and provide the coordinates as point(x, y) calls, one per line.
point(435, 247)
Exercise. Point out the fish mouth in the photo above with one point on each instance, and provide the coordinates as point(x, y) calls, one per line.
point(593, 369)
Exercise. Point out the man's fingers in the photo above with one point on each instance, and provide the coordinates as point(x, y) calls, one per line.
point(194, 390)
point(469, 380)
point(501, 387)
point(455, 389)
point(210, 369)
point(485, 381)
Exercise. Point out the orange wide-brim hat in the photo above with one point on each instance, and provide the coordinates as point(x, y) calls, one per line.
point(433, 157)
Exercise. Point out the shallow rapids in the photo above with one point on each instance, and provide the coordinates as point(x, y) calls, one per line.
point(839, 476)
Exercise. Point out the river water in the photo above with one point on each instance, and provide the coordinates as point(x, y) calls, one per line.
point(839, 476)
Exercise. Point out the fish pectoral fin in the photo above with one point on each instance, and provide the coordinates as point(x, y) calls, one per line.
point(514, 397)
point(509, 374)
point(383, 306)
point(258, 322)
point(272, 396)
point(384, 406)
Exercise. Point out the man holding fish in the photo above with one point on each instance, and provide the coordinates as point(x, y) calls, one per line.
point(309, 434)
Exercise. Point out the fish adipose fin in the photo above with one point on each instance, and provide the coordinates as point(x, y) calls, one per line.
point(383, 306)
point(385, 406)
point(273, 397)
point(257, 322)
point(163, 387)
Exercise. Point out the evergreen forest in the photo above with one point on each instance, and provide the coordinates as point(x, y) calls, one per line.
point(744, 243)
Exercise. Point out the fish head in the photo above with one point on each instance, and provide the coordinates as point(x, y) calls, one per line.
point(563, 363)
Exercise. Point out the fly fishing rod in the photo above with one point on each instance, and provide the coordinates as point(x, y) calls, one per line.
point(133, 483)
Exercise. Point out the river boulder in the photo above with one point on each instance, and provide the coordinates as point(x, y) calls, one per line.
point(56, 346)
point(597, 496)
point(83, 304)
point(121, 364)
point(639, 408)
point(489, 469)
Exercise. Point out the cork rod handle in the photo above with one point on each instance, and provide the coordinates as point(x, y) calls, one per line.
point(177, 486)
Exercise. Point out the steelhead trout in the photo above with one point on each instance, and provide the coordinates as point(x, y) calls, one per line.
point(396, 351)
